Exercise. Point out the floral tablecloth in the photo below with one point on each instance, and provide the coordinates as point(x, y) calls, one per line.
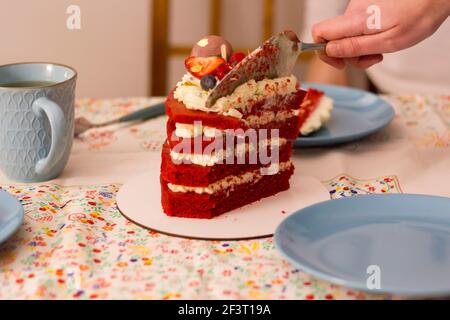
point(74, 243)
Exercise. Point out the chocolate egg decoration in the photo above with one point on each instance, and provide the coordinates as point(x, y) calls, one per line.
point(212, 46)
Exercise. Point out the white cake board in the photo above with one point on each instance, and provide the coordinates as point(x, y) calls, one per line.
point(139, 200)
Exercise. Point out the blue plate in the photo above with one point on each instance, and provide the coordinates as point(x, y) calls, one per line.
point(11, 215)
point(356, 114)
point(399, 241)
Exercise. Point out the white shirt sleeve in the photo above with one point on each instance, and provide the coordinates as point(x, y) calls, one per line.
point(318, 10)
point(423, 68)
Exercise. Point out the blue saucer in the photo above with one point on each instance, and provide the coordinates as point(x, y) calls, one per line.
point(356, 114)
point(11, 215)
point(404, 239)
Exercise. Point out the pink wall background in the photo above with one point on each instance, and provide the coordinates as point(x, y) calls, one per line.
point(112, 50)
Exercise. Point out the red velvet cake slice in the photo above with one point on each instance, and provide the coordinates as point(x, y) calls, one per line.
point(238, 150)
point(315, 111)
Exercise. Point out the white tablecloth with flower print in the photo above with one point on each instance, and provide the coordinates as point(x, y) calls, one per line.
point(74, 243)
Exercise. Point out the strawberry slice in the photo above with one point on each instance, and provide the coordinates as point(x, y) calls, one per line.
point(202, 66)
point(222, 70)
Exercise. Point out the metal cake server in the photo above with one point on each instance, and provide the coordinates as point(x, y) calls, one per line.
point(82, 124)
point(275, 58)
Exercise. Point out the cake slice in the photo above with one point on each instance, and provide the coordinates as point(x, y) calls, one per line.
point(316, 111)
point(236, 151)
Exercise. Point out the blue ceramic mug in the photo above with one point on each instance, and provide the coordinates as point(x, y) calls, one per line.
point(36, 120)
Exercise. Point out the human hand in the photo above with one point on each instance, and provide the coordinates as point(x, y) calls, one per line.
point(321, 72)
point(403, 23)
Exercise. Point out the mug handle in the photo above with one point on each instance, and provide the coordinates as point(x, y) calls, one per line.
point(44, 106)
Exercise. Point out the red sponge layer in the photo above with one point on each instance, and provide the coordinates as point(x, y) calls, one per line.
point(178, 112)
point(206, 206)
point(202, 176)
point(287, 129)
point(309, 104)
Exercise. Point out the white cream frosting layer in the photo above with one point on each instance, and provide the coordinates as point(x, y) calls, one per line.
point(227, 183)
point(209, 160)
point(183, 130)
point(191, 94)
point(319, 116)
